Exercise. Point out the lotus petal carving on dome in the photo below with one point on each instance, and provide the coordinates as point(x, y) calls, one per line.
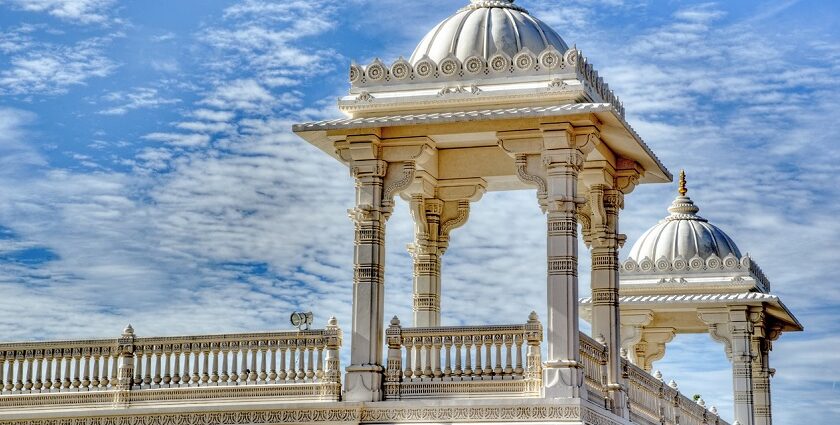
point(524, 60)
point(731, 262)
point(550, 58)
point(713, 262)
point(646, 264)
point(630, 265)
point(679, 263)
point(376, 71)
point(662, 264)
point(499, 62)
point(696, 263)
point(400, 69)
point(355, 73)
point(474, 65)
point(425, 68)
point(449, 66)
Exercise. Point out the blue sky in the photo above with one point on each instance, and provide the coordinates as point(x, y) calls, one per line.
point(148, 174)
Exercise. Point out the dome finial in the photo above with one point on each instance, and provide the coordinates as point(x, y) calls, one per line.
point(683, 190)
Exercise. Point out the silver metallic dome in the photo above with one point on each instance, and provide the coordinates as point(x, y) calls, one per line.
point(683, 234)
point(484, 28)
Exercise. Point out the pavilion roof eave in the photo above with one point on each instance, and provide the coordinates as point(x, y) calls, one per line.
point(617, 132)
point(777, 308)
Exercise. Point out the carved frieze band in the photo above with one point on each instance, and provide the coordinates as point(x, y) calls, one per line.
point(426, 302)
point(511, 413)
point(562, 265)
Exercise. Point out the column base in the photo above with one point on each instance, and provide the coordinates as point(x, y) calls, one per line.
point(563, 379)
point(363, 383)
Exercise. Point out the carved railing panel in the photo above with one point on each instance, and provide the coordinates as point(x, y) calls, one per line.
point(293, 365)
point(464, 361)
point(651, 400)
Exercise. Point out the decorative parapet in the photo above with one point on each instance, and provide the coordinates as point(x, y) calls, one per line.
point(464, 361)
point(651, 401)
point(548, 63)
point(294, 365)
point(730, 263)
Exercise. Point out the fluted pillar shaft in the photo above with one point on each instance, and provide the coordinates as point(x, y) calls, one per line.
point(426, 253)
point(740, 329)
point(364, 374)
point(761, 381)
point(563, 373)
point(605, 204)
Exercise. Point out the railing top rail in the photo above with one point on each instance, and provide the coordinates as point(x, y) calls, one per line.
point(472, 330)
point(155, 340)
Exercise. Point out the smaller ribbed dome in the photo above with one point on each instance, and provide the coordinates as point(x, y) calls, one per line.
point(683, 234)
point(485, 28)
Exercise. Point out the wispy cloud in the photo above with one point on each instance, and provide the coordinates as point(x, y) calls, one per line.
point(75, 11)
point(138, 98)
point(47, 68)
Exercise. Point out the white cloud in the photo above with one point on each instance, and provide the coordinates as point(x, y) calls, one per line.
point(52, 69)
point(138, 98)
point(75, 11)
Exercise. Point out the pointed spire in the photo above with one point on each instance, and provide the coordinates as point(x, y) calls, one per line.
point(683, 190)
point(683, 207)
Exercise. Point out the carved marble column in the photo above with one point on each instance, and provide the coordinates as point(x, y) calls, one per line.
point(434, 219)
point(363, 380)
point(762, 342)
point(733, 328)
point(564, 152)
point(604, 241)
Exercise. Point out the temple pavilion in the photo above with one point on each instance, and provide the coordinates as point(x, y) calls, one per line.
point(491, 99)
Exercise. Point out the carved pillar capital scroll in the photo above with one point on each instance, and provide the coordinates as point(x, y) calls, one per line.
point(434, 220)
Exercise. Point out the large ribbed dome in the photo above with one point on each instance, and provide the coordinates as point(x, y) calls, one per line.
point(485, 28)
point(683, 234)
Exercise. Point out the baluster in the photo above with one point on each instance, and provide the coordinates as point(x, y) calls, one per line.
point(30, 358)
point(2, 371)
point(407, 342)
point(310, 372)
point(68, 360)
point(243, 370)
point(458, 371)
point(234, 349)
point(214, 376)
point(283, 373)
point(176, 368)
point(427, 365)
point(138, 367)
point(479, 370)
point(103, 373)
point(86, 375)
point(19, 360)
point(488, 350)
point(38, 383)
point(418, 357)
point(319, 371)
point(77, 369)
point(224, 373)
point(292, 373)
point(94, 380)
point(518, 341)
point(167, 365)
point(468, 356)
point(497, 341)
point(301, 359)
point(447, 346)
point(147, 375)
point(185, 377)
point(263, 362)
point(436, 344)
point(156, 354)
point(205, 364)
point(114, 367)
point(7, 384)
point(48, 367)
point(272, 373)
point(508, 354)
point(196, 354)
